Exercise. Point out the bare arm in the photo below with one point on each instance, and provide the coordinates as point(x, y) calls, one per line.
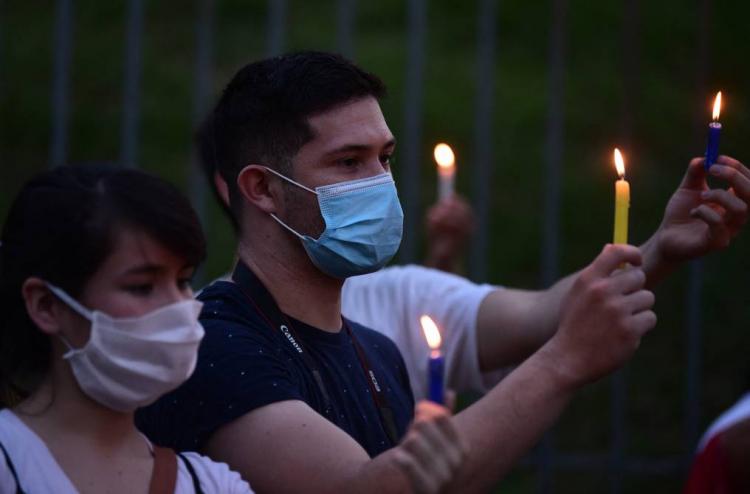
point(512, 324)
point(603, 316)
point(288, 447)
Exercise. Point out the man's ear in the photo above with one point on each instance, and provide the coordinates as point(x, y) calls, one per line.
point(254, 185)
point(43, 307)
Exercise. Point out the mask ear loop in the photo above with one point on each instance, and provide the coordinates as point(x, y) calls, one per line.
point(76, 306)
point(308, 189)
point(290, 180)
point(70, 301)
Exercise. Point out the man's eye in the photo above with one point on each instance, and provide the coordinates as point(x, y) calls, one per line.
point(141, 289)
point(349, 162)
point(386, 159)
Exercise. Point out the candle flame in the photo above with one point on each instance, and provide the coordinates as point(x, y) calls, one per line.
point(430, 332)
point(717, 106)
point(444, 155)
point(619, 163)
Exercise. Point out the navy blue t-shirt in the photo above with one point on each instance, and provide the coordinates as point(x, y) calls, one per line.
point(245, 362)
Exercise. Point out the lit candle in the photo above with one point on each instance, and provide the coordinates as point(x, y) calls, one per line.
point(622, 201)
point(446, 162)
point(436, 364)
point(714, 132)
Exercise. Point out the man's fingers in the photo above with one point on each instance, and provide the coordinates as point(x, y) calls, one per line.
point(612, 256)
point(643, 322)
point(707, 214)
point(420, 480)
point(428, 448)
point(736, 208)
point(729, 161)
point(695, 176)
point(458, 447)
point(628, 280)
point(442, 454)
point(640, 301)
point(427, 410)
point(736, 178)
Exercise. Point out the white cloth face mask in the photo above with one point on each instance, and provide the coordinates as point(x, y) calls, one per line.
point(130, 362)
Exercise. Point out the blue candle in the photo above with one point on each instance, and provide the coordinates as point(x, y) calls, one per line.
point(437, 370)
point(436, 364)
point(714, 133)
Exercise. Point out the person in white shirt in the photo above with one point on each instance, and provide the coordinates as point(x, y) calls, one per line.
point(97, 318)
point(489, 329)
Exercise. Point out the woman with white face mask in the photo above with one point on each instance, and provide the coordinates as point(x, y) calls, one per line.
point(97, 318)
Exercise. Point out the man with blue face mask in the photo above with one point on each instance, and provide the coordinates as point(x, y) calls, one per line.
point(299, 399)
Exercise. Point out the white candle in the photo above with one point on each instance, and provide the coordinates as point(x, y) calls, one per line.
point(446, 162)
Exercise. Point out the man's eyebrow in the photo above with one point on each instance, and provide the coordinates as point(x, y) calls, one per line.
point(358, 147)
point(144, 269)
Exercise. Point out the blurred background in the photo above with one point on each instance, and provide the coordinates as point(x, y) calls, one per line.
point(533, 97)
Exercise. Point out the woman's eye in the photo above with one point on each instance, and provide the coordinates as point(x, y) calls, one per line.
point(141, 290)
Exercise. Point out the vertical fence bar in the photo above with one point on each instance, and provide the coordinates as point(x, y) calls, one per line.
point(486, 22)
point(131, 97)
point(346, 16)
point(2, 35)
point(554, 145)
point(553, 165)
point(202, 70)
point(618, 403)
point(63, 46)
point(410, 157)
point(277, 12)
point(694, 309)
point(618, 390)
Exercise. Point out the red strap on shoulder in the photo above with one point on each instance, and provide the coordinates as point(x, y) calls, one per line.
point(164, 476)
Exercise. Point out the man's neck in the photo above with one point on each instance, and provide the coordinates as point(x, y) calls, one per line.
point(298, 287)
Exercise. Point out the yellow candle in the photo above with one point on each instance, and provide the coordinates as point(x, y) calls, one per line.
point(446, 162)
point(622, 201)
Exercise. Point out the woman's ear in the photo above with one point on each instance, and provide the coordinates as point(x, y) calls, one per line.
point(254, 185)
point(221, 188)
point(44, 308)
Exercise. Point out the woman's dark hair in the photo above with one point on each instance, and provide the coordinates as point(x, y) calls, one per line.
point(60, 228)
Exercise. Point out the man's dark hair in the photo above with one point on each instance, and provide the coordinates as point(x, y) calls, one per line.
point(262, 115)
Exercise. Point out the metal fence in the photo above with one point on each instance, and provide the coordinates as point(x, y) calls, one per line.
point(547, 459)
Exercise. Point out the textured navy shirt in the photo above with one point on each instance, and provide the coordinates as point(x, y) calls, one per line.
point(246, 362)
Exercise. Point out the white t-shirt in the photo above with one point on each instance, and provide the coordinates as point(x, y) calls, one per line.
point(39, 473)
point(738, 412)
point(392, 300)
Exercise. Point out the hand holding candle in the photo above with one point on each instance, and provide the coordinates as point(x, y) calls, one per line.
point(446, 162)
point(622, 201)
point(436, 363)
point(714, 133)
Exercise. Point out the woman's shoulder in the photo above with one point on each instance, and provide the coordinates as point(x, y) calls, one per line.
point(214, 476)
point(12, 429)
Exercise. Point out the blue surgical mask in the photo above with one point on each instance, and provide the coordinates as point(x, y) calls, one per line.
point(364, 224)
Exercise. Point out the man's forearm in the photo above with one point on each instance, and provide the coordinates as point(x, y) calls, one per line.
point(512, 324)
point(655, 265)
point(511, 418)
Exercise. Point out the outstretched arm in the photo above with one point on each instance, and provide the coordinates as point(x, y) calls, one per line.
point(512, 324)
point(288, 447)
